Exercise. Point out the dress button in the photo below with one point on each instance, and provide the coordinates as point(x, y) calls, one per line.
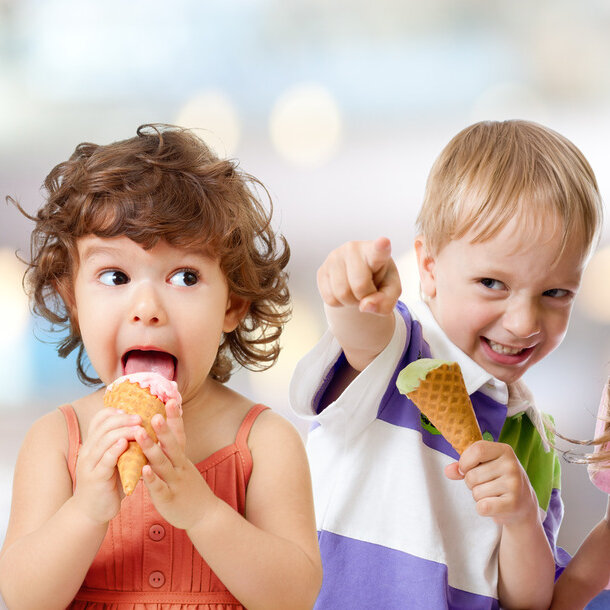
point(156, 532)
point(156, 579)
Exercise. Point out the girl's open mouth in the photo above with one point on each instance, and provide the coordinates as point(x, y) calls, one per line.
point(149, 360)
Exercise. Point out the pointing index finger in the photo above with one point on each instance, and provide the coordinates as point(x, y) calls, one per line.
point(379, 253)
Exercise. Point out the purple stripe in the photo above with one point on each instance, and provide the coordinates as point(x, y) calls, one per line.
point(552, 521)
point(363, 575)
point(340, 362)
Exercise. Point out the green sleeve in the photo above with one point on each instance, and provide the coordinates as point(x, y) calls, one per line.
point(542, 467)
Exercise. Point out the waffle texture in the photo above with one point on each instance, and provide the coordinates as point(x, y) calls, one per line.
point(443, 399)
point(131, 398)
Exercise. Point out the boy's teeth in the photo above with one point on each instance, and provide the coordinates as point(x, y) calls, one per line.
point(503, 349)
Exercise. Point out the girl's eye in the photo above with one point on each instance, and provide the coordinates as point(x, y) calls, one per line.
point(184, 277)
point(113, 278)
point(556, 293)
point(492, 284)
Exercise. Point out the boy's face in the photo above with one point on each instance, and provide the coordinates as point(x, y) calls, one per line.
point(161, 309)
point(505, 302)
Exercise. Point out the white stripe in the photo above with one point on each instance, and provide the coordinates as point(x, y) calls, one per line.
point(401, 499)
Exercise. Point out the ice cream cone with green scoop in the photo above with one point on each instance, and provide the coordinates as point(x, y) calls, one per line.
point(437, 388)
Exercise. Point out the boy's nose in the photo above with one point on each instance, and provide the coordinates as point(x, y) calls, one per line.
point(521, 319)
point(146, 306)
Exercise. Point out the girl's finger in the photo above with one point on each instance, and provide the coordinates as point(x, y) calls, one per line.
point(110, 420)
point(170, 445)
point(159, 461)
point(156, 486)
point(105, 467)
point(175, 423)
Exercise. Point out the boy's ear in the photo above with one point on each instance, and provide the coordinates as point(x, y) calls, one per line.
point(425, 264)
point(237, 308)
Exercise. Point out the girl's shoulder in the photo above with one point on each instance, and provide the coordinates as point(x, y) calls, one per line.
point(275, 444)
point(48, 433)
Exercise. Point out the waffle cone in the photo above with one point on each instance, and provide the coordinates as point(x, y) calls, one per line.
point(443, 399)
point(131, 398)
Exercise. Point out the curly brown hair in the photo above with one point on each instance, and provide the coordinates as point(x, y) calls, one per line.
point(164, 183)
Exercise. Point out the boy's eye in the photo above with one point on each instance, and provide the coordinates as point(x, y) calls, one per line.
point(556, 293)
point(492, 284)
point(184, 277)
point(113, 278)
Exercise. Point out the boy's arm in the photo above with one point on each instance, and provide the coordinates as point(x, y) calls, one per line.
point(359, 284)
point(588, 573)
point(526, 565)
point(502, 491)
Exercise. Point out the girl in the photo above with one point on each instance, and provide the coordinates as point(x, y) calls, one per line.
point(588, 573)
point(156, 255)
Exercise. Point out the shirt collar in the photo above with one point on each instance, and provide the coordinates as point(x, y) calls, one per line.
point(475, 376)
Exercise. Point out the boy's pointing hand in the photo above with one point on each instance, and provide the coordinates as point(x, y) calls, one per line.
point(361, 273)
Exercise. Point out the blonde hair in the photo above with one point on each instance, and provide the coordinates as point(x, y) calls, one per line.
point(493, 171)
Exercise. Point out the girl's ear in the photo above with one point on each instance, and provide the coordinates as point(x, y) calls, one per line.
point(425, 263)
point(237, 308)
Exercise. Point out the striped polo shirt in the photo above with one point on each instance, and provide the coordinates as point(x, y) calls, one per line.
point(394, 531)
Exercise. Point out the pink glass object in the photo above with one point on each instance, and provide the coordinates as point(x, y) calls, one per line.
point(599, 472)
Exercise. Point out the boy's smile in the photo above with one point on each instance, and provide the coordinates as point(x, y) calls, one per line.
point(506, 301)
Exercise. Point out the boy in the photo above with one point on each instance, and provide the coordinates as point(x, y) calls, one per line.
point(509, 217)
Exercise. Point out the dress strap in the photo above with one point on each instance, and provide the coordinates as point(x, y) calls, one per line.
point(73, 438)
point(241, 440)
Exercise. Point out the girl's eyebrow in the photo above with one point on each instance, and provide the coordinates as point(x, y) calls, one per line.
point(92, 250)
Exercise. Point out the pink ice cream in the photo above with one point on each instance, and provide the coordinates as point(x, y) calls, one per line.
point(157, 384)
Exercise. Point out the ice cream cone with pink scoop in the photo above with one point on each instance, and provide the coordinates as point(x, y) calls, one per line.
point(144, 393)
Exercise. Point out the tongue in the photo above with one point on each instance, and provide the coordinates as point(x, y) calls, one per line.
point(153, 362)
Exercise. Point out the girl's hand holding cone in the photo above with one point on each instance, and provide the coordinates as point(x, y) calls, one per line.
point(176, 487)
point(97, 491)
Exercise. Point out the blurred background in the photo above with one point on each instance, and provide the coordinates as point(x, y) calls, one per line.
point(340, 109)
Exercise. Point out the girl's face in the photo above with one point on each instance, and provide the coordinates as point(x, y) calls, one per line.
point(505, 302)
point(161, 309)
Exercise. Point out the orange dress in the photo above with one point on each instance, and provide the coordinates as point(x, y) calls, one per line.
point(144, 563)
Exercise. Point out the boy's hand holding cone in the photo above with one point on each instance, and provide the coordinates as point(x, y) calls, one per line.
point(437, 388)
point(144, 394)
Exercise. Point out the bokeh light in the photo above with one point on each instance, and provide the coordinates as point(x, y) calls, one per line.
point(409, 275)
point(214, 117)
point(594, 297)
point(13, 301)
point(14, 352)
point(300, 334)
point(305, 125)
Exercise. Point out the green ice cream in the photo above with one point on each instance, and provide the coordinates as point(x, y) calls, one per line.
point(415, 372)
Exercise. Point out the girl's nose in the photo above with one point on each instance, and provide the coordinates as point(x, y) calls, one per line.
point(521, 319)
point(146, 306)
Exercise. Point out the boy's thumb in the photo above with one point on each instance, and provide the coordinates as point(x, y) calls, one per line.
point(452, 471)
